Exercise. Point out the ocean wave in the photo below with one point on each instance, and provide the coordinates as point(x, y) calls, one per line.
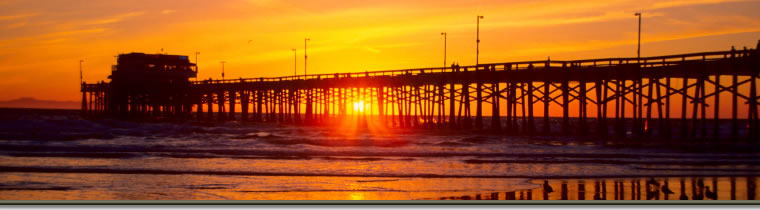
point(29, 185)
point(623, 161)
point(10, 147)
point(339, 142)
point(643, 173)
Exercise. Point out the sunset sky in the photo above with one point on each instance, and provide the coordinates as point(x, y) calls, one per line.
point(41, 42)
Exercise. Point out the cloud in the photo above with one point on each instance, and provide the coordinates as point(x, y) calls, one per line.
point(19, 16)
point(543, 49)
point(542, 22)
point(48, 38)
point(262, 3)
point(13, 81)
point(74, 32)
point(703, 34)
point(16, 25)
point(54, 40)
point(114, 19)
point(683, 3)
point(167, 11)
point(373, 50)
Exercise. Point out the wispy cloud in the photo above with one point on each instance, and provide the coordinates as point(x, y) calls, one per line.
point(580, 46)
point(543, 22)
point(19, 16)
point(683, 3)
point(17, 25)
point(167, 11)
point(262, 3)
point(48, 38)
point(74, 32)
point(114, 19)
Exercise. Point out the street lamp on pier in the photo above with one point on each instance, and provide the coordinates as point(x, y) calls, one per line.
point(444, 49)
point(223, 69)
point(295, 59)
point(477, 41)
point(305, 57)
point(638, 50)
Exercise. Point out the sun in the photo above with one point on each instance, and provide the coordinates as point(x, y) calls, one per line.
point(359, 106)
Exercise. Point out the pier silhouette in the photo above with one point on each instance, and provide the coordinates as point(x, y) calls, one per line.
point(630, 97)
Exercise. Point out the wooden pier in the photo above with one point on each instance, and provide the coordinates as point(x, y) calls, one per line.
point(662, 96)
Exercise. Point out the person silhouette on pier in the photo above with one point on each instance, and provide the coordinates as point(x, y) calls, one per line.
point(599, 192)
point(698, 189)
point(666, 190)
point(547, 189)
point(711, 194)
point(683, 190)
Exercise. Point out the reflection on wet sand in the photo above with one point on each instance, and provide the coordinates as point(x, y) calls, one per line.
point(688, 188)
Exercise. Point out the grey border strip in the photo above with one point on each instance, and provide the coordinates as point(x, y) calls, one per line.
point(379, 202)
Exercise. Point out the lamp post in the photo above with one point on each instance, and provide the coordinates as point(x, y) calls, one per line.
point(477, 41)
point(223, 69)
point(638, 50)
point(444, 49)
point(196, 65)
point(295, 64)
point(196, 58)
point(80, 71)
point(305, 57)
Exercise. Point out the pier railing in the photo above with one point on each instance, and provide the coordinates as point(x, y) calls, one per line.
point(644, 62)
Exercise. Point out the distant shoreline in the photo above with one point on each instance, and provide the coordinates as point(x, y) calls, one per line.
point(33, 103)
point(40, 108)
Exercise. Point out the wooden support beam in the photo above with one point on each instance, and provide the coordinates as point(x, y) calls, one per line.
point(259, 105)
point(85, 108)
point(716, 109)
point(479, 101)
point(583, 128)
point(199, 110)
point(244, 99)
point(647, 125)
point(221, 116)
point(547, 99)
point(441, 104)
point(619, 108)
point(695, 109)
point(661, 123)
point(523, 104)
point(703, 101)
point(668, 128)
point(381, 105)
point(752, 118)
point(684, 120)
point(531, 127)
point(734, 106)
point(601, 126)
point(467, 124)
point(547, 102)
point(496, 95)
point(209, 103)
point(565, 103)
point(233, 100)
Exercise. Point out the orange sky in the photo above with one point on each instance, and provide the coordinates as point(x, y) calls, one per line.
point(41, 42)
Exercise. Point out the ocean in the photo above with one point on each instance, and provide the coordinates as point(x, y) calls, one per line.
point(58, 155)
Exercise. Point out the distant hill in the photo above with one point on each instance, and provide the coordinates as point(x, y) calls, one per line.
point(27, 102)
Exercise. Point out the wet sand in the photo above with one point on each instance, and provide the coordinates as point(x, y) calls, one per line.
point(76, 186)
